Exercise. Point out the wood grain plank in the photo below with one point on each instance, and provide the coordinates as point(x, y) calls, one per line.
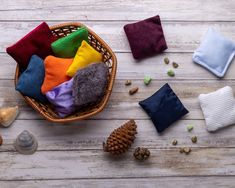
point(206, 10)
point(97, 164)
point(128, 68)
point(90, 134)
point(120, 101)
point(180, 36)
point(71, 155)
point(167, 182)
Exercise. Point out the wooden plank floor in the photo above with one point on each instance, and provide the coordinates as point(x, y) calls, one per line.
point(70, 155)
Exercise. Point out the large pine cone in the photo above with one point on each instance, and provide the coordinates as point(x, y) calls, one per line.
point(121, 138)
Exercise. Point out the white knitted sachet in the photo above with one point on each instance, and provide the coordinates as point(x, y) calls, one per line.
point(218, 108)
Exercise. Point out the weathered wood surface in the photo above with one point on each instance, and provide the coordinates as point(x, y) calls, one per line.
point(180, 36)
point(97, 164)
point(128, 68)
point(198, 10)
point(89, 135)
point(124, 106)
point(70, 155)
point(166, 182)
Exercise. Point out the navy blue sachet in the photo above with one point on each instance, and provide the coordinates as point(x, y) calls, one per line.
point(164, 108)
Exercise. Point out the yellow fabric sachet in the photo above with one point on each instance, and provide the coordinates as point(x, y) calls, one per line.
point(85, 55)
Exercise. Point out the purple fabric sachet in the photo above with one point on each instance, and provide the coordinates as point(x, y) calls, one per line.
point(146, 37)
point(61, 98)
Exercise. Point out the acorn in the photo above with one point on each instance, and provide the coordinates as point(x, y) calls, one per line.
point(133, 90)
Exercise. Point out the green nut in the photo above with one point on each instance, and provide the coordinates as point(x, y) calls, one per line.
point(128, 82)
point(166, 60)
point(194, 139)
point(187, 150)
point(147, 79)
point(170, 73)
point(174, 142)
point(189, 127)
point(175, 65)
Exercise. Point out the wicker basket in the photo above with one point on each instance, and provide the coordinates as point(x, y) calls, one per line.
point(109, 59)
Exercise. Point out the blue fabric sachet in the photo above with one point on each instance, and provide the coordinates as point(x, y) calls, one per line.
point(30, 81)
point(215, 53)
point(164, 108)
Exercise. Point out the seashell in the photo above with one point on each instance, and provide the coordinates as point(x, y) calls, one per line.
point(8, 115)
point(26, 143)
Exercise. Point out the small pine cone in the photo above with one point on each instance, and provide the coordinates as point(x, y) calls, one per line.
point(121, 138)
point(141, 154)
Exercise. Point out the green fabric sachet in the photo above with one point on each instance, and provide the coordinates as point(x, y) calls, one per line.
point(67, 47)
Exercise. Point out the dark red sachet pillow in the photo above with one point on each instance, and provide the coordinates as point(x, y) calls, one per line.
point(146, 37)
point(37, 42)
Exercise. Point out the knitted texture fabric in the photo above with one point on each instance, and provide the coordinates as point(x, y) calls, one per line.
point(61, 98)
point(85, 55)
point(30, 81)
point(218, 108)
point(67, 47)
point(37, 42)
point(55, 72)
point(146, 37)
point(164, 108)
point(215, 53)
point(90, 84)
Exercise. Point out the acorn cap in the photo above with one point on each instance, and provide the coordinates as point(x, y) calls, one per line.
point(26, 143)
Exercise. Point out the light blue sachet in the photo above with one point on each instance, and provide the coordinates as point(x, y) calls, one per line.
point(215, 53)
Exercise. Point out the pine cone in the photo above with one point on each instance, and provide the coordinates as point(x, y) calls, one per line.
point(141, 153)
point(121, 138)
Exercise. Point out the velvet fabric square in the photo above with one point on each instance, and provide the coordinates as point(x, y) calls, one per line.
point(67, 47)
point(164, 108)
point(146, 37)
point(62, 99)
point(215, 53)
point(85, 55)
point(218, 108)
point(30, 81)
point(55, 72)
point(37, 42)
point(90, 84)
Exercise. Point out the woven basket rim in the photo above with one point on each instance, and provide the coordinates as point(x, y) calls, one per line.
point(31, 102)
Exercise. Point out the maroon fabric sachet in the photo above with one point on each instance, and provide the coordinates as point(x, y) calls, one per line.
point(146, 37)
point(38, 42)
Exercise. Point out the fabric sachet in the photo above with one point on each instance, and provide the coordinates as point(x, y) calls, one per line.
point(85, 55)
point(30, 81)
point(215, 53)
point(37, 42)
point(89, 84)
point(146, 37)
point(218, 108)
point(55, 72)
point(61, 98)
point(67, 46)
point(164, 108)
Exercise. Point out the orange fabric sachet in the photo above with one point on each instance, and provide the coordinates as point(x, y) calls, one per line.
point(55, 72)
